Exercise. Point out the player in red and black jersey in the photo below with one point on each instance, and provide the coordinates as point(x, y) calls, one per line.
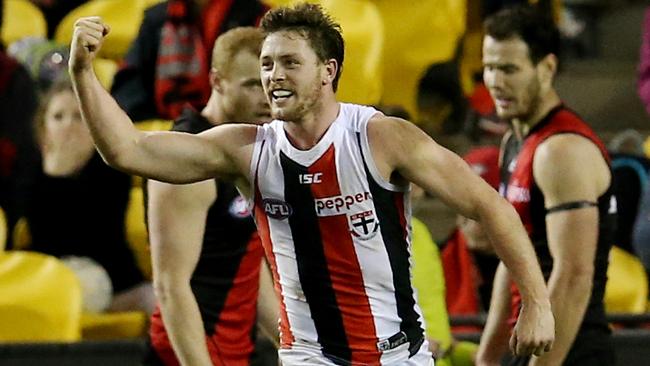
point(555, 171)
point(207, 256)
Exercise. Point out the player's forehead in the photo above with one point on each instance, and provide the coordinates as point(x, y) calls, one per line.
point(503, 51)
point(285, 43)
point(244, 63)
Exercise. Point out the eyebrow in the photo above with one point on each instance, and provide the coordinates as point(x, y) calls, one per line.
point(499, 64)
point(283, 56)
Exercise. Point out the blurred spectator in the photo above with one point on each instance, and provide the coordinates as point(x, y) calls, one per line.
point(155, 81)
point(18, 155)
point(482, 122)
point(441, 102)
point(629, 180)
point(78, 205)
point(467, 256)
point(627, 286)
point(579, 27)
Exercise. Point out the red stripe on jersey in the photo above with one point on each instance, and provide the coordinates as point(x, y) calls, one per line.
point(232, 335)
point(286, 337)
point(340, 254)
point(399, 203)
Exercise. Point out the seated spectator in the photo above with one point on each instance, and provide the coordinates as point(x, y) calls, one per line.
point(78, 204)
point(152, 82)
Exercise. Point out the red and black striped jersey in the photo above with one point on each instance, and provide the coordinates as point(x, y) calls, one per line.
point(519, 188)
point(337, 236)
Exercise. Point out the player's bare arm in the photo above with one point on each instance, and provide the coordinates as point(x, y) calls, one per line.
point(569, 168)
point(403, 151)
point(177, 215)
point(173, 157)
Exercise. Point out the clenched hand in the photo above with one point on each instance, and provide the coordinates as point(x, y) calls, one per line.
point(87, 39)
point(534, 332)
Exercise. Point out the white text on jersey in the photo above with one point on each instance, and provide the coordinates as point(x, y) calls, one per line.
point(310, 178)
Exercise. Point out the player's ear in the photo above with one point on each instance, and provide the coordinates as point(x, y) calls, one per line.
point(546, 69)
point(330, 72)
point(216, 80)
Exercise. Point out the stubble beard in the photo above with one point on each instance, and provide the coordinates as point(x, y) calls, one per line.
point(303, 108)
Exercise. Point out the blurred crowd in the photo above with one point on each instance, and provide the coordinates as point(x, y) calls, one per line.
point(420, 61)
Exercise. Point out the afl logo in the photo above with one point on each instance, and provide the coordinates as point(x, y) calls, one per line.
point(239, 208)
point(276, 209)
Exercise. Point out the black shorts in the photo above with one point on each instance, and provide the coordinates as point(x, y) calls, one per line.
point(592, 347)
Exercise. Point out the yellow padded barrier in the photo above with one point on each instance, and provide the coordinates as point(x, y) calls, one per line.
point(136, 231)
point(22, 237)
point(40, 299)
point(124, 17)
point(627, 284)
point(107, 326)
point(22, 19)
point(416, 35)
point(105, 70)
point(154, 125)
point(363, 33)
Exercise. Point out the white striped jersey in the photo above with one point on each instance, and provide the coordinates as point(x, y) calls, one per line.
point(337, 236)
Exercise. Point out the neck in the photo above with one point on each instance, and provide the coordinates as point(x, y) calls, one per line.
point(306, 133)
point(549, 101)
point(212, 112)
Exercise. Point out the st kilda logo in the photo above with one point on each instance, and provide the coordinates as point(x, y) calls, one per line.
point(364, 225)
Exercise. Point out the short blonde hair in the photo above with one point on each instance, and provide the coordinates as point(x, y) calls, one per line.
point(234, 41)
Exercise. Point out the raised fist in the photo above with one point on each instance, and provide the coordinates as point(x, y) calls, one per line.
point(87, 39)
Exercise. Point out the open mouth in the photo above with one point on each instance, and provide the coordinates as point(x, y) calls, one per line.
point(279, 95)
point(503, 102)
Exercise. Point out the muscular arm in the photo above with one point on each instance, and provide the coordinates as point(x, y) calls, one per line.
point(494, 340)
point(166, 156)
point(569, 168)
point(177, 217)
point(401, 149)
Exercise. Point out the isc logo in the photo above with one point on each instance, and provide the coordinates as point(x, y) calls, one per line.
point(310, 178)
point(276, 209)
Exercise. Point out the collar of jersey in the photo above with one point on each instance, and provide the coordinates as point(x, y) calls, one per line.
point(309, 156)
